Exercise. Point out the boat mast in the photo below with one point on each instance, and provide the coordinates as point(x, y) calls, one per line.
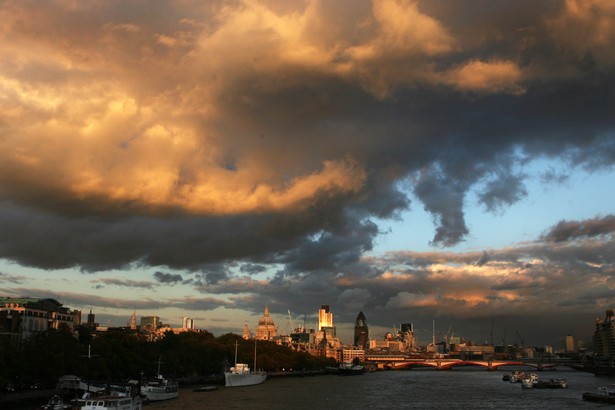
point(254, 369)
point(235, 353)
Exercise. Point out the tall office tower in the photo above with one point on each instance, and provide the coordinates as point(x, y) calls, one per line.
point(604, 338)
point(325, 318)
point(91, 320)
point(361, 332)
point(570, 344)
point(187, 323)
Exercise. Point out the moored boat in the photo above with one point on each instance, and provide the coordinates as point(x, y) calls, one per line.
point(348, 369)
point(205, 389)
point(517, 376)
point(241, 375)
point(551, 384)
point(117, 398)
point(56, 403)
point(530, 381)
point(159, 388)
point(113, 403)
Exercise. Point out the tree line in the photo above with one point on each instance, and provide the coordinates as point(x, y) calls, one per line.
point(189, 357)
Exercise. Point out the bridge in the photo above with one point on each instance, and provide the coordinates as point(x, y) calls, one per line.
point(397, 362)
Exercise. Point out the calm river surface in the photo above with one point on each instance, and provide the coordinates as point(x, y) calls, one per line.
point(414, 389)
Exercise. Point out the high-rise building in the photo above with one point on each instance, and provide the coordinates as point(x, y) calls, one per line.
point(91, 320)
point(187, 323)
point(150, 323)
point(325, 317)
point(361, 332)
point(569, 344)
point(604, 337)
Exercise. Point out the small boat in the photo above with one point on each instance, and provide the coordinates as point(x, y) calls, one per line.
point(118, 398)
point(516, 376)
point(506, 377)
point(551, 384)
point(348, 369)
point(56, 403)
point(159, 388)
point(530, 381)
point(240, 374)
point(205, 389)
point(604, 394)
point(113, 403)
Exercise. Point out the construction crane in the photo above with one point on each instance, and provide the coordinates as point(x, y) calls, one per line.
point(290, 320)
point(518, 336)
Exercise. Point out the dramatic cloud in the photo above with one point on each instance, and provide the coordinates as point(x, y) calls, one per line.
point(210, 140)
point(570, 230)
point(169, 278)
point(98, 283)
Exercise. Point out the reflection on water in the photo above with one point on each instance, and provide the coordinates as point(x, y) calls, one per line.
point(420, 389)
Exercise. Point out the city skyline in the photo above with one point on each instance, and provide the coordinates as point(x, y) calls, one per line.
point(419, 161)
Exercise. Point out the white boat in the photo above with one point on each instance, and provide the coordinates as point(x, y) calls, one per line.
point(530, 381)
point(240, 374)
point(120, 398)
point(160, 388)
point(113, 403)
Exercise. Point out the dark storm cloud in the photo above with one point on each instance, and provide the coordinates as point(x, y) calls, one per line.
point(122, 283)
point(491, 104)
point(168, 278)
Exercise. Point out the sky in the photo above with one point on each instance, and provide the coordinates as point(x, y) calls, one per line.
point(443, 163)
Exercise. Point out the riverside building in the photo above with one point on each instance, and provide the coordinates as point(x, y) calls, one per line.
point(604, 340)
point(21, 318)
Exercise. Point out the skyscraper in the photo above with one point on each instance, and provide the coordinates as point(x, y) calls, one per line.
point(361, 332)
point(325, 317)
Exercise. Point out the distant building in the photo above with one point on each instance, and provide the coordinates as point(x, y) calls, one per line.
point(266, 329)
point(604, 338)
point(325, 317)
point(133, 321)
point(246, 332)
point(348, 355)
point(150, 323)
point(569, 344)
point(20, 318)
point(92, 321)
point(187, 323)
point(361, 332)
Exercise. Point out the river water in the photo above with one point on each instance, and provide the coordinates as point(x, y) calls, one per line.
point(411, 389)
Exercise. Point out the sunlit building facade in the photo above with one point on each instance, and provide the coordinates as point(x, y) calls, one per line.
point(325, 317)
point(266, 329)
point(20, 318)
